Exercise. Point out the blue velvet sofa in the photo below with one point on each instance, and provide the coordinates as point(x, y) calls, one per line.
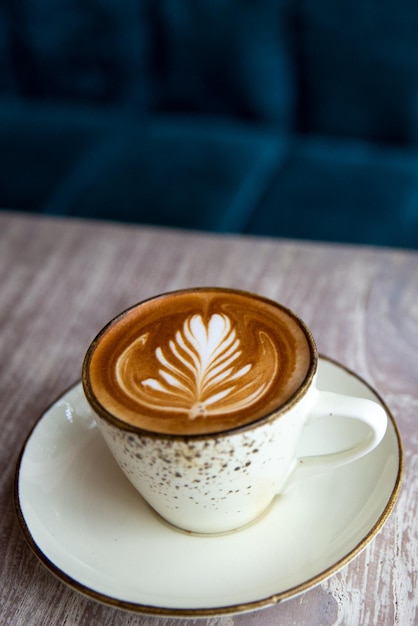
point(294, 118)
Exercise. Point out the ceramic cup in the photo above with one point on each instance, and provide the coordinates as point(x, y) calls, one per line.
point(202, 396)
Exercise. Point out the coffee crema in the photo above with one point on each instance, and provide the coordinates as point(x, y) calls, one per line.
point(198, 361)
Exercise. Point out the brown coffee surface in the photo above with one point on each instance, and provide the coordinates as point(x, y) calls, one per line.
point(198, 361)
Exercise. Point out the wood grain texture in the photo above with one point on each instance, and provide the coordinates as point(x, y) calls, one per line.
point(61, 280)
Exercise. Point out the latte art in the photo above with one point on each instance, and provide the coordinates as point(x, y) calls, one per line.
point(198, 361)
point(203, 370)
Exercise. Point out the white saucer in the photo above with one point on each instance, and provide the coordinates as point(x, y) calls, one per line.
point(89, 526)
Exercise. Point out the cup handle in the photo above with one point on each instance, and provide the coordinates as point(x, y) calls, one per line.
point(334, 404)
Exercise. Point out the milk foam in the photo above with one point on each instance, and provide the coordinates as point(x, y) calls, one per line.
point(198, 361)
point(202, 372)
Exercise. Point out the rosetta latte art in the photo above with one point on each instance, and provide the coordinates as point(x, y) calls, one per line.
point(202, 370)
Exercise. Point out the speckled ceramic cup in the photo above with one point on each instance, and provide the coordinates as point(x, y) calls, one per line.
point(202, 396)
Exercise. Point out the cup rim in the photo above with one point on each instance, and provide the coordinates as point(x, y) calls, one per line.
point(271, 416)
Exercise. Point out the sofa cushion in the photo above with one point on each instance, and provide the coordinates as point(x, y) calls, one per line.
point(224, 57)
point(78, 51)
point(201, 174)
point(40, 143)
point(358, 69)
point(342, 191)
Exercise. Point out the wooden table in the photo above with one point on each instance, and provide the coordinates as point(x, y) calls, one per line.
point(61, 280)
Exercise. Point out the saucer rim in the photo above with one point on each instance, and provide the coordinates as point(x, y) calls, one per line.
point(271, 600)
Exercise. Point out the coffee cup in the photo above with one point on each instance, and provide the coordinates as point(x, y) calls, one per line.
point(202, 396)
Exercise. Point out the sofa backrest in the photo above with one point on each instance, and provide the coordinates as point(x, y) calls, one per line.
point(346, 68)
